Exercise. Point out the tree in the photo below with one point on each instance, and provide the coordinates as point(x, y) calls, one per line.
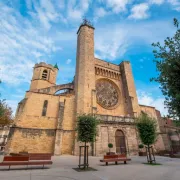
point(5, 114)
point(147, 129)
point(87, 131)
point(167, 59)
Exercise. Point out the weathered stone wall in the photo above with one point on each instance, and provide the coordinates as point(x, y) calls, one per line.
point(31, 140)
point(31, 115)
point(68, 142)
point(131, 101)
point(38, 82)
point(4, 131)
point(151, 111)
point(106, 134)
point(37, 133)
point(68, 126)
point(105, 64)
point(85, 71)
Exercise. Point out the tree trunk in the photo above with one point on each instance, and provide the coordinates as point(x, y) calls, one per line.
point(149, 153)
point(85, 155)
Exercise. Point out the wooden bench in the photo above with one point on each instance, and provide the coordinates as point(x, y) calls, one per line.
point(30, 159)
point(115, 158)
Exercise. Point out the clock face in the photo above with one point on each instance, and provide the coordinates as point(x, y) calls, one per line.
point(107, 94)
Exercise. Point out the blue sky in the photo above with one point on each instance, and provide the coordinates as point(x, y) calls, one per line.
point(32, 31)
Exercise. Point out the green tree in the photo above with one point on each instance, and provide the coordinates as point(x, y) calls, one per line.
point(167, 59)
point(176, 123)
point(5, 114)
point(147, 129)
point(87, 131)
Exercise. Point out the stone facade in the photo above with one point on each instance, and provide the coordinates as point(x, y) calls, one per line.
point(4, 131)
point(46, 120)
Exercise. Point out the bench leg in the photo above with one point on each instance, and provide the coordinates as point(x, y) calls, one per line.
point(125, 162)
point(106, 163)
point(9, 167)
point(43, 166)
point(116, 162)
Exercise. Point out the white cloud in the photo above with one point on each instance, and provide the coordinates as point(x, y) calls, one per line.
point(76, 9)
point(99, 12)
point(175, 4)
point(158, 2)
point(60, 3)
point(147, 99)
point(46, 12)
point(119, 38)
point(29, 4)
point(56, 48)
point(22, 44)
point(116, 5)
point(68, 61)
point(113, 45)
point(139, 11)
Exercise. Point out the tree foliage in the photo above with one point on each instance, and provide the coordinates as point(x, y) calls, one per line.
point(147, 129)
point(87, 128)
point(167, 59)
point(176, 123)
point(5, 114)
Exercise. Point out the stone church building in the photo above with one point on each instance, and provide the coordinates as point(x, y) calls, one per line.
point(45, 120)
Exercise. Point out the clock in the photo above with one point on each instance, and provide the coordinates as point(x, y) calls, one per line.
point(107, 94)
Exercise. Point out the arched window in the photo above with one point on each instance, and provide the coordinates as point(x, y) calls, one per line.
point(45, 108)
point(44, 74)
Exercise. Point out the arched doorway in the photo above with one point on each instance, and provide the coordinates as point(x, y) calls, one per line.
point(120, 142)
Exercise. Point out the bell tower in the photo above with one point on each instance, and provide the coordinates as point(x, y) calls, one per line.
point(85, 70)
point(44, 75)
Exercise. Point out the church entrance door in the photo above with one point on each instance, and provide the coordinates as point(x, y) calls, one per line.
point(120, 142)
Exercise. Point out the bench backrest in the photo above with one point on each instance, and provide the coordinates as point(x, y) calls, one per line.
point(122, 156)
point(115, 156)
point(110, 156)
point(40, 156)
point(16, 154)
point(16, 158)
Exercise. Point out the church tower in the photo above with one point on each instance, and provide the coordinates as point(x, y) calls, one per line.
point(44, 75)
point(85, 70)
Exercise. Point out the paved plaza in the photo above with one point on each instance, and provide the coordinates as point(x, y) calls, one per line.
point(62, 169)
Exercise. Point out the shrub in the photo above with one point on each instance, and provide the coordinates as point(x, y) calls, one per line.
point(141, 146)
point(110, 145)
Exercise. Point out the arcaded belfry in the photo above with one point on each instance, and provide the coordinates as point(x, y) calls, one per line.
point(46, 117)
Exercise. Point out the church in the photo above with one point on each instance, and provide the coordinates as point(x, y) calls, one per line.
point(46, 118)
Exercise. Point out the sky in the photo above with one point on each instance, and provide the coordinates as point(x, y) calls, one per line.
point(33, 31)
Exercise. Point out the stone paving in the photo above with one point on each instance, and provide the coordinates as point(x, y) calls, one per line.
point(62, 169)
